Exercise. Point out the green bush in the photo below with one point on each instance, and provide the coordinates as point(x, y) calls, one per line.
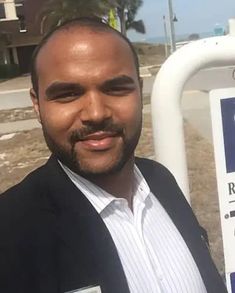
point(9, 70)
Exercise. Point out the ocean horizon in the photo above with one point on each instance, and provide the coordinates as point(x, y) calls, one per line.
point(179, 38)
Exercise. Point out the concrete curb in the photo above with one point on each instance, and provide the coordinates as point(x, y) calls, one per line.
point(14, 91)
point(18, 126)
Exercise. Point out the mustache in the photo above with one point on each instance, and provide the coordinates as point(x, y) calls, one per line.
point(106, 126)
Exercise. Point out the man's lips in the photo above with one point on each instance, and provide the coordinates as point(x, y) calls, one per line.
point(99, 140)
point(99, 135)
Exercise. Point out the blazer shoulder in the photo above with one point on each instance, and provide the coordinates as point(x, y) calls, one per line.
point(26, 184)
point(151, 168)
point(24, 196)
point(163, 185)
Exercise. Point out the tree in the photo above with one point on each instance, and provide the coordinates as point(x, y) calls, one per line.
point(55, 12)
point(126, 11)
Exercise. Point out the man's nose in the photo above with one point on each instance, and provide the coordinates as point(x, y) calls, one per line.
point(95, 108)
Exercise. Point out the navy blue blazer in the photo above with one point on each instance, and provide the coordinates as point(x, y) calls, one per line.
point(52, 240)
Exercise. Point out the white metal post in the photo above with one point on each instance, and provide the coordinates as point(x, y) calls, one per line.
point(166, 97)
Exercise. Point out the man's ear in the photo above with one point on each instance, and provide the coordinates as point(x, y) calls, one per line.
point(141, 89)
point(35, 101)
point(141, 84)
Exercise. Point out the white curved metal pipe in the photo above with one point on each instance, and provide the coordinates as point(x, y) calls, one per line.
point(166, 98)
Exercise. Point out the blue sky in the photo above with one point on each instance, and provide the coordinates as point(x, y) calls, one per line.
point(194, 16)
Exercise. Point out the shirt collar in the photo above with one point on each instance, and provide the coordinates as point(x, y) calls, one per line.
point(99, 198)
point(142, 188)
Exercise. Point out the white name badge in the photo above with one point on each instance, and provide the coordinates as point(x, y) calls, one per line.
point(95, 289)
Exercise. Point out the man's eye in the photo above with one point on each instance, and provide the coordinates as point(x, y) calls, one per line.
point(119, 90)
point(66, 97)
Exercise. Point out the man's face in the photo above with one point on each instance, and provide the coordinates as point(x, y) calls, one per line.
point(89, 100)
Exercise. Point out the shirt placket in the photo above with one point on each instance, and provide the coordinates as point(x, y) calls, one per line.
point(137, 226)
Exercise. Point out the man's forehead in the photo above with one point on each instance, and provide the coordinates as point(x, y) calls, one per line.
point(74, 45)
point(81, 35)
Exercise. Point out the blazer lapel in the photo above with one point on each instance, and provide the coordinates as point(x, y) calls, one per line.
point(165, 188)
point(87, 254)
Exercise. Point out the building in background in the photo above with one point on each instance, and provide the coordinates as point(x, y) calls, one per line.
point(19, 32)
point(219, 30)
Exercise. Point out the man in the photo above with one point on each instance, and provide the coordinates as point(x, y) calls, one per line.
point(94, 218)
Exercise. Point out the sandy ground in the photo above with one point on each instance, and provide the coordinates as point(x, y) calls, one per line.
point(27, 150)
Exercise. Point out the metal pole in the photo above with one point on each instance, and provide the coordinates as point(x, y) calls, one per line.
point(166, 36)
point(171, 27)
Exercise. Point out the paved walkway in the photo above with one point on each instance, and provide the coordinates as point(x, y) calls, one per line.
point(15, 99)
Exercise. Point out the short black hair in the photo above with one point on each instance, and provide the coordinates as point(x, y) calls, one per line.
point(93, 23)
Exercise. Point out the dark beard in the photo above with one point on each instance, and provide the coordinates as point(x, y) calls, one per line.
point(70, 157)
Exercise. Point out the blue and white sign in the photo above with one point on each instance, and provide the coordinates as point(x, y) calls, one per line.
point(222, 103)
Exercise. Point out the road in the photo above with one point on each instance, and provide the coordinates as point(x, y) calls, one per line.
point(195, 101)
point(204, 80)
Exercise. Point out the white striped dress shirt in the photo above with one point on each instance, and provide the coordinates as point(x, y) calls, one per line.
point(154, 256)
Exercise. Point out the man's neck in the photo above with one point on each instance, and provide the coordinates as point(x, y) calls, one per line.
point(120, 184)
